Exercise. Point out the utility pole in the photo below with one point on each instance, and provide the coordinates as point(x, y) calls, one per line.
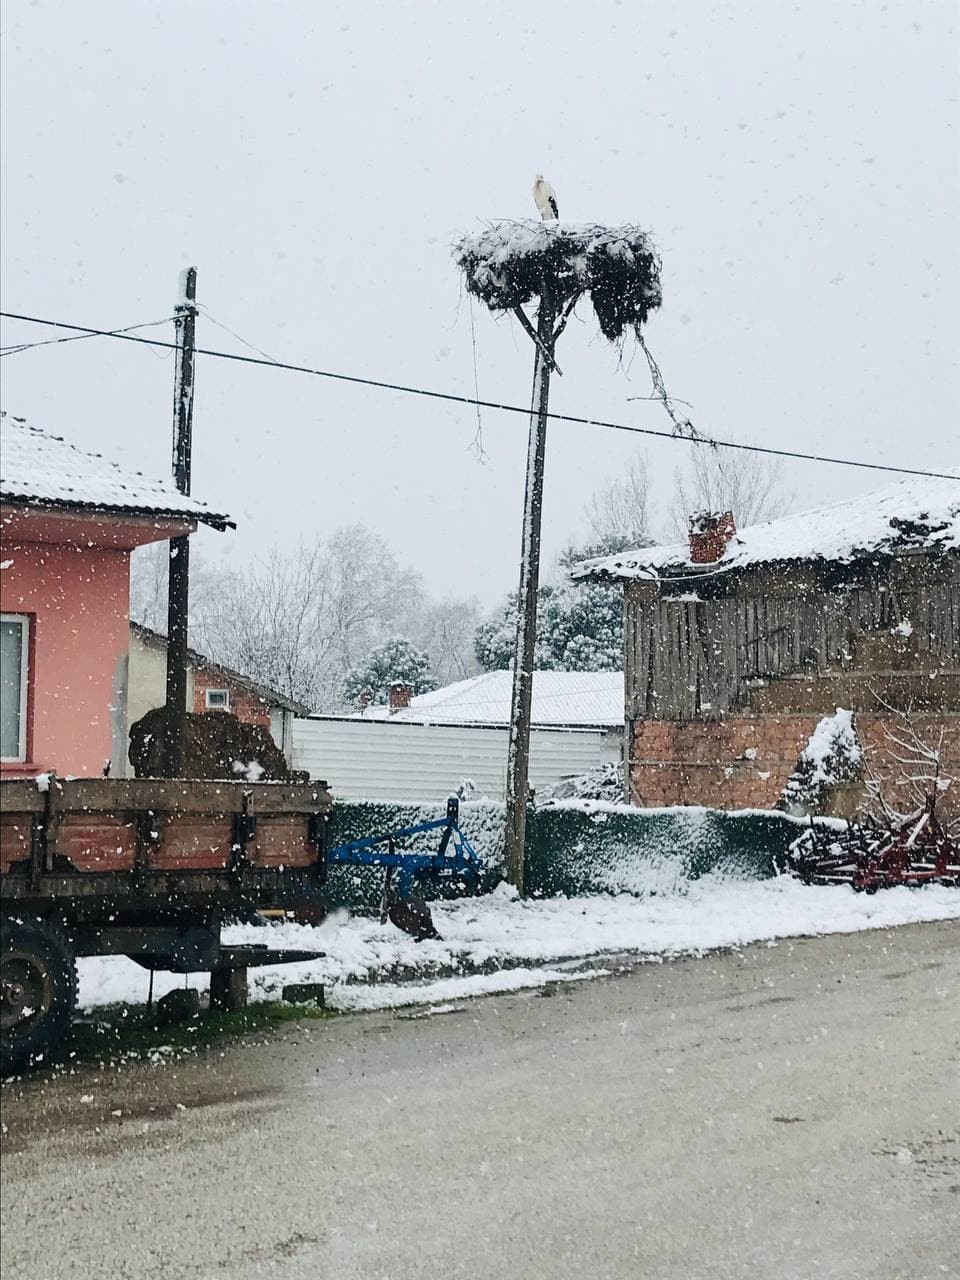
point(518, 753)
point(506, 265)
point(178, 599)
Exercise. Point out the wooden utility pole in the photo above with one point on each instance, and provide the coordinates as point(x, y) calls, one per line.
point(178, 597)
point(518, 754)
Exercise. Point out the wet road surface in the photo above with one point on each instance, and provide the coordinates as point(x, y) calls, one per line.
point(788, 1111)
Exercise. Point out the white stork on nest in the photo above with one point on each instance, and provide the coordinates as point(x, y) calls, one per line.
point(545, 198)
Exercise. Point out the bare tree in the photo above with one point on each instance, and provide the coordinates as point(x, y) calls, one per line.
point(148, 588)
point(446, 630)
point(748, 484)
point(619, 511)
point(300, 619)
point(910, 768)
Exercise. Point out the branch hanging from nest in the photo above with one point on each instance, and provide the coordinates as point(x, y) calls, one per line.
point(681, 426)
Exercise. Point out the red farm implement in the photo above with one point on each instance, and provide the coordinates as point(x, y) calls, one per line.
point(871, 856)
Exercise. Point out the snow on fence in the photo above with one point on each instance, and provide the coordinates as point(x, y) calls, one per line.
point(578, 847)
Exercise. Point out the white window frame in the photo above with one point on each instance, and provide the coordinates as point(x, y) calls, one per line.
point(24, 622)
point(216, 706)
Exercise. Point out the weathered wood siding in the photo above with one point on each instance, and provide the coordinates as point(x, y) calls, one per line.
point(700, 658)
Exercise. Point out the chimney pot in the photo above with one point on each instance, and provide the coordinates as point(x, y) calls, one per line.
point(399, 695)
point(710, 533)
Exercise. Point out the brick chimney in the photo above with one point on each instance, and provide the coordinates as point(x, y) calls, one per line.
point(399, 696)
point(710, 532)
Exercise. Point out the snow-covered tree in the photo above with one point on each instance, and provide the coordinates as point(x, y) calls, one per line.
point(579, 624)
point(397, 660)
point(831, 758)
point(299, 620)
point(618, 513)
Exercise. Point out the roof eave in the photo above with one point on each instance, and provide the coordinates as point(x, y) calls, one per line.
point(211, 518)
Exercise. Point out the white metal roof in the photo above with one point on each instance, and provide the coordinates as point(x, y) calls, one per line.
point(43, 470)
point(918, 512)
point(566, 698)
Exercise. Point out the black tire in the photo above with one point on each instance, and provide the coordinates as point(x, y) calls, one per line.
point(38, 990)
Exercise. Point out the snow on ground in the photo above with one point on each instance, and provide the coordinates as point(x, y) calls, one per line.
point(503, 943)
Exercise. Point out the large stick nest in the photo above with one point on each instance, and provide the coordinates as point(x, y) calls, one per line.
point(506, 264)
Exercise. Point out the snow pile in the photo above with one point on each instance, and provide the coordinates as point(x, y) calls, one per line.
point(502, 942)
point(832, 757)
point(42, 469)
point(917, 513)
point(505, 265)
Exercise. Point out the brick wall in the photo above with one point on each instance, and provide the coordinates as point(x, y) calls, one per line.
point(244, 703)
point(744, 762)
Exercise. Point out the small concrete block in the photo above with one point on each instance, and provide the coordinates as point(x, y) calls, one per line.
point(304, 993)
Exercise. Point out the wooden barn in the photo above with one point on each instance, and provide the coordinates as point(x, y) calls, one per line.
point(738, 642)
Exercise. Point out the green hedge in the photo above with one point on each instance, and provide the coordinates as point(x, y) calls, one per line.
point(577, 848)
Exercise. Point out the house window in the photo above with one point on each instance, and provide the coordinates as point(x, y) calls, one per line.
point(218, 699)
point(14, 660)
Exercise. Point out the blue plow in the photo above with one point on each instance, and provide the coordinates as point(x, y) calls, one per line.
point(454, 860)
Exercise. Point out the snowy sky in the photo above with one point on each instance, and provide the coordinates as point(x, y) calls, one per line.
point(797, 164)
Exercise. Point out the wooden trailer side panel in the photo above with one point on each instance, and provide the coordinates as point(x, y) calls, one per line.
point(97, 842)
point(281, 842)
point(156, 825)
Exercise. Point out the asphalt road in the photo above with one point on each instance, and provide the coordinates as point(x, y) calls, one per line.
point(790, 1112)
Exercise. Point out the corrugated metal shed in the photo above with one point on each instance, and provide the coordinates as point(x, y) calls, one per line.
point(424, 763)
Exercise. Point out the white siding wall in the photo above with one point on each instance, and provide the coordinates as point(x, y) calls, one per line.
point(147, 679)
point(377, 760)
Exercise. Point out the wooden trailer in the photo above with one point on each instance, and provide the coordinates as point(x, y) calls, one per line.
point(146, 868)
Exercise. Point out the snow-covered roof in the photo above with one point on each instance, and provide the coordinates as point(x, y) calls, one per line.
point(43, 470)
point(581, 699)
point(916, 513)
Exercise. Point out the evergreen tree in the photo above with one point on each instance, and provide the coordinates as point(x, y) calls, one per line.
point(397, 660)
point(579, 624)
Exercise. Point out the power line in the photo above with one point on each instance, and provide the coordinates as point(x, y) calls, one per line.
point(451, 398)
point(16, 348)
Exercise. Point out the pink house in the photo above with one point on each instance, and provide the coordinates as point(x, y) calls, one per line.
point(68, 522)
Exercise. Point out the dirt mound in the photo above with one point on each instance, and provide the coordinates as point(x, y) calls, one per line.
point(218, 745)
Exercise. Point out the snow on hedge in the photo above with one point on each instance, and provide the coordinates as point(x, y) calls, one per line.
point(505, 264)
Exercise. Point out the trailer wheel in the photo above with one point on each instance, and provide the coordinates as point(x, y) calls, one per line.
point(38, 990)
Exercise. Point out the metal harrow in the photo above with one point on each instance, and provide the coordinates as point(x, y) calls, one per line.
point(869, 856)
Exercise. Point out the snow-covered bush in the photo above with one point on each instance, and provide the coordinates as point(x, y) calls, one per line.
point(605, 782)
point(832, 757)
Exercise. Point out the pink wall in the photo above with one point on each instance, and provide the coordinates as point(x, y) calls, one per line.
point(78, 598)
